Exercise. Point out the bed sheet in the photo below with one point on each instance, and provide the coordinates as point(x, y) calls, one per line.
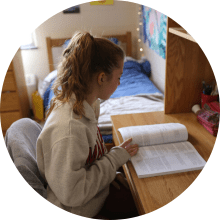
point(128, 105)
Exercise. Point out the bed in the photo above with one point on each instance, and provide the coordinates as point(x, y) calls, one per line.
point(136, 93)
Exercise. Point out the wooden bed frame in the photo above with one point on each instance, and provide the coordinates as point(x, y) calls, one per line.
point(58, 42)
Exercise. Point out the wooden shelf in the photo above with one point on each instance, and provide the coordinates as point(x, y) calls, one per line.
point(186, 68)
point(181, 33)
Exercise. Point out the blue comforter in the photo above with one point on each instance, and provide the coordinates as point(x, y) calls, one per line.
point(135, 80)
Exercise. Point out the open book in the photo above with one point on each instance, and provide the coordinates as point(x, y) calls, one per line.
point(163, 149)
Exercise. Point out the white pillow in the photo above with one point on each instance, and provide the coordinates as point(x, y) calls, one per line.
point(128, 58)
point(43, 84)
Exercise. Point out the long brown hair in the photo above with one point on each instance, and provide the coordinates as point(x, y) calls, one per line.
point(84, 57)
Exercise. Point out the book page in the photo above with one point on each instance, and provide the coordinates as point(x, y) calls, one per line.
point(166, 158)
point(147, 135)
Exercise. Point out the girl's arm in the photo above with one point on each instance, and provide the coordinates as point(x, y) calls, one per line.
point(67, 176)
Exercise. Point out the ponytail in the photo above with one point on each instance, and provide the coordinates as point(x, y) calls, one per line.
point(84, 57)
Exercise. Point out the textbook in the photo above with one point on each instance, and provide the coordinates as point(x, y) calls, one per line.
point(163, 149)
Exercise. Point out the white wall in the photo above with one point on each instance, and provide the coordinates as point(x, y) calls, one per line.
point(158, 65)
point(99, 20)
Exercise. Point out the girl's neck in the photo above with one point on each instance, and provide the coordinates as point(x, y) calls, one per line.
point(91, 98)
point(93, 92)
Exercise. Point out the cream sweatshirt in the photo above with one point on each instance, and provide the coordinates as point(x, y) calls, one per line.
point(72, 158)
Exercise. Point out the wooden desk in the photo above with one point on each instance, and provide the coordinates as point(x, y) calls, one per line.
point(154, 192)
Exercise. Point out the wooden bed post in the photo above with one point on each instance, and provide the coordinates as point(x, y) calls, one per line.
point(49, 52)
point(128, 45)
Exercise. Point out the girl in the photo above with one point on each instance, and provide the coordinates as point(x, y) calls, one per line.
point(71, 154)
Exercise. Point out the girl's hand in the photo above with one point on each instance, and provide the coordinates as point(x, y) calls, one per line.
point(132, 149)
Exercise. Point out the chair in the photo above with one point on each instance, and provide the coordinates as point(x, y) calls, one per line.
point(20, 141)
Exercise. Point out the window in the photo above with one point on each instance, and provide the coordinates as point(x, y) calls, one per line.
point(29, 42)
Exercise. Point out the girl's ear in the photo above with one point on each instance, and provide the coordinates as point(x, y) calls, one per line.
point(101, 78)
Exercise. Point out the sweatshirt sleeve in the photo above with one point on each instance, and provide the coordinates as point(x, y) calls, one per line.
point(73, 183)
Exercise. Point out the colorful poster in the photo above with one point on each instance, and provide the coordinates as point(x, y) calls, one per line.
point(155, 30)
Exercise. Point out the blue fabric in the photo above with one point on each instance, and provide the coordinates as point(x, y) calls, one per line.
point(66, 43)
point(114, 40)
point(134, 80)
point(48, 95)
point(107, 138)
